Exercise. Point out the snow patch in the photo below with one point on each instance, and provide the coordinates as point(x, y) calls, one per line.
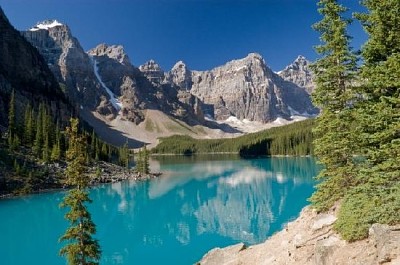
point(280, 121)
point(46, 25)
point(114, 100)
point(233, 119)
point(295, 113)
point(208, 118)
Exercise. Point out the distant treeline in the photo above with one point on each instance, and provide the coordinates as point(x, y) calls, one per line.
point(293, 139)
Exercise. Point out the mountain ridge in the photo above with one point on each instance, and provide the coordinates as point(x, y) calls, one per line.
point(103, 81)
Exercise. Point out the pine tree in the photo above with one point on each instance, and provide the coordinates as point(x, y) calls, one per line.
point(56, 150)
point(142, 163)
point(81, 248)
point(146, 165)
point(29, 126)
point(377, 197)
point(334, 138)
point(124, 155)
point(38, 142)
point(46, 149)
point(11, 122)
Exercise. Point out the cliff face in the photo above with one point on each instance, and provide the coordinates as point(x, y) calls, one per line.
point(299, 72)
point(139, 89)
point(68, 61)
point(248, 89)
point(23, 69)
point(104, 80)
point(104, 85)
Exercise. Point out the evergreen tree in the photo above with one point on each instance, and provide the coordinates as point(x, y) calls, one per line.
point(46, 149)
point(29, 126)
point(334, 141)
point(377, 197)
point(124, 155)
point(38, 142)
point(11, 122)
point(146, 165)
point(56, 150)
point(81, 248)
point(142, 163)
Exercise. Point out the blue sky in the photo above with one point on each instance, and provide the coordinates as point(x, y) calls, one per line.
point(202, 33)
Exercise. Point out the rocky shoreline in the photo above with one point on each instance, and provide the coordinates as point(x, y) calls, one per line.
point(99, 173)
point(311, 240)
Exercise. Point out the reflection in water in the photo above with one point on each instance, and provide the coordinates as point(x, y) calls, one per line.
point(197, 204)
point(226, 201)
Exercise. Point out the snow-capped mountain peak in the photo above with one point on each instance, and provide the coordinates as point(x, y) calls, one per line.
point(51, 23)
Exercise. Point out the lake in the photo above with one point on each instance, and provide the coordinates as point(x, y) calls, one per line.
point(198, 203)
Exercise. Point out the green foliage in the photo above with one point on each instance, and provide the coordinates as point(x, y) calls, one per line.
point(377, 196)
point(81, 247)
point(366, 205)
point(76, 156)
point(335, 141)
point(12, 130)
point(368, 127)
point(142, 163)
point(124, 155)
point(292, 139)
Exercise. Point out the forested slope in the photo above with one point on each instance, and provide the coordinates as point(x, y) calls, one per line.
point(292, 139)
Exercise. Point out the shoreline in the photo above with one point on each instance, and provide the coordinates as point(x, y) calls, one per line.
point(110, 173)
point(311, 240)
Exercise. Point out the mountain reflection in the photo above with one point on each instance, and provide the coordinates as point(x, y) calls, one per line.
point(197, 204)
point(201, 203)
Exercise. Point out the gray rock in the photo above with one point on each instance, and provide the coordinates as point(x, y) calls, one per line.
point(181, 76)
point(218, 256)
point(325, 250)
point(68, 62)
point(248, 89)
point(387, 242)
point(323, 220)
point(153, 72)
point(299, 72)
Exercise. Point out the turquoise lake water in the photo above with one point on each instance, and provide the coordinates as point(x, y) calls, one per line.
point(199, 203)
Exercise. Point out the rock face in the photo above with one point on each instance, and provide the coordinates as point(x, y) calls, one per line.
point(248, 89)
point(68, 62)
point(24, 70)
point(104, 80)
point(181, 76)
point(310, 240)
point(299, 72)
point(153, 72)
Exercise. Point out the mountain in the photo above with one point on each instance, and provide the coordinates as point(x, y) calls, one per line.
point(24, 70)
point(245, 88)
point(105, 86)
point(113, 95)
point(299, 72)
point(69, 63)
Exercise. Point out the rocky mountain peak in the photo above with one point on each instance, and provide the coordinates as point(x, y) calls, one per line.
point(248, 89)
point(254, 56)
point(301, 63)
point(67, 60)
point(47, 24)
point(152, 71)
point(179, 65)
point(181, 76)
point(299, 72)
point(150, 65)
point(253, 62)
point(115, 52)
